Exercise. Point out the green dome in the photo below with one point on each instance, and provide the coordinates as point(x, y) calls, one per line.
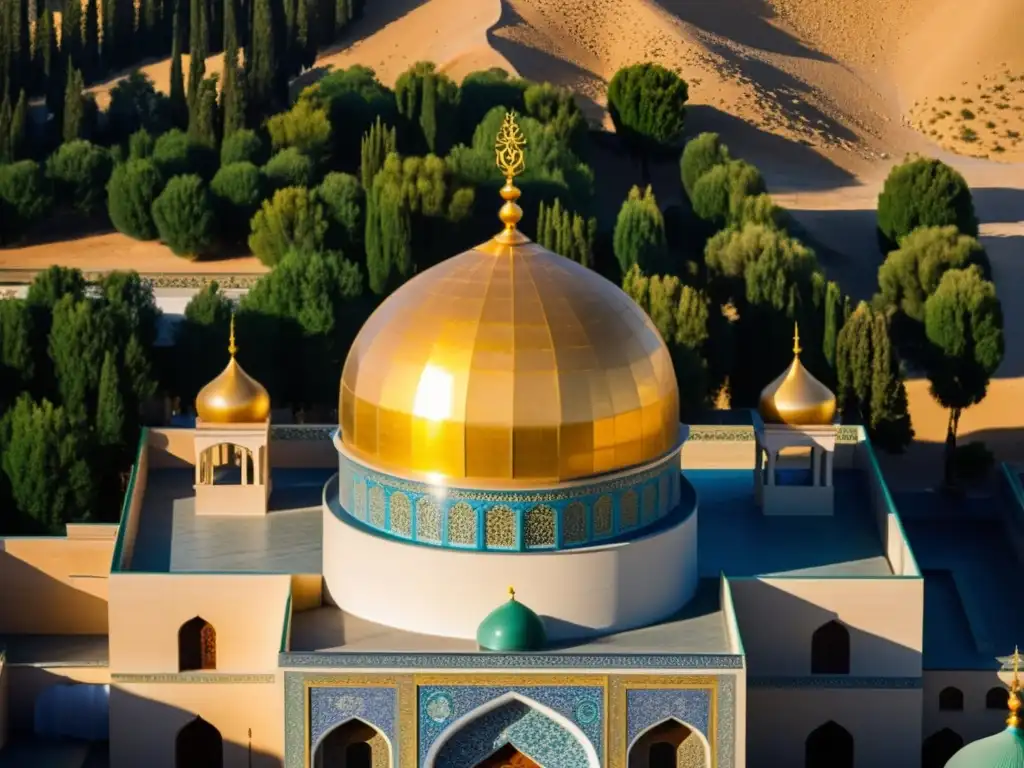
point(1004, 750)
point(512, 627)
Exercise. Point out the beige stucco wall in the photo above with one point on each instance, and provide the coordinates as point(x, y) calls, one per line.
point(174, 448)
point(56, 585)
point(145, 719)
point(975, 721)
point(146, 611)
point(777, 618)
point(26, 682)
point(885, 725)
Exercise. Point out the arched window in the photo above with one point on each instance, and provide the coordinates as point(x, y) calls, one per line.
point(198, 745)
point(359, 755)
point(661, 755)
point(939, 747)
point(830, 650)
point(951, 699)
point(197, 645)
point(829, 746)
point(997, 698)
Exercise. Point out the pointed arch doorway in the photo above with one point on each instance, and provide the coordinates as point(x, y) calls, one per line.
point(507, 757)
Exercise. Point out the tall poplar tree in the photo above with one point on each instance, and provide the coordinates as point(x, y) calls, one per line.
point(71, 34)
point(91, 63)
point(19, 128)
point(232, 97)
point(179, 107)
point(265, 80)
point(197, 48)
point(73, 122)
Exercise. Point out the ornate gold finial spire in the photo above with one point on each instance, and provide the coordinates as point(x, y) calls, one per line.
point(232, 349)
point(797, 349)
point(1013, 703)
point(509, 157)
point(511, 593)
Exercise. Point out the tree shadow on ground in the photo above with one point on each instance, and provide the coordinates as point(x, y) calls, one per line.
point(920, 466)
point(746, 22)
point(375, 17)
point(844, 241)
point(787, 165)
point(998, 205)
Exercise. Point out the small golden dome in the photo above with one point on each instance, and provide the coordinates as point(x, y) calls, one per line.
point(796, 397)
point(234, 397)
point(508, 363)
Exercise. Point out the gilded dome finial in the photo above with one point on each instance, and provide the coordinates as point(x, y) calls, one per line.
point(797, 349)
point(1013, 702)
point(232, 348)
point(511, 161)
point(511, 593)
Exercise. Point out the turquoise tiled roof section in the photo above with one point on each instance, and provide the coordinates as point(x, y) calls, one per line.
point(512, 627)
point(1004, 750)
point(117, 561)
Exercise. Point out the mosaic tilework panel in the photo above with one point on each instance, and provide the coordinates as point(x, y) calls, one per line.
point(575, 516)
point(440, 706)
point(647, 707)
point(531, 732)
point(331, 706)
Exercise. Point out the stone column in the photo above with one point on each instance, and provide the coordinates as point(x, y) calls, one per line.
point(828, 469)
point(771, 467)
point(815, 466)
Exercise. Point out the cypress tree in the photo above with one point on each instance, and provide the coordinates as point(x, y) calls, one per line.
point(24, 58)
point(5, 128)
point(110, 419)
point(890, 418)
point(19, 128)
point(833, 322)
point(639, 236)
point(378, 142)
point(854, 364)
point(342, 15)
point(91, 41)
point(6, 65)
point(71, 34)
point(305, 51)
point(44, 47)
point(73, 122)
point(197, 51)
point(566, 233)
point(204, 121)
point(388, 238)
point(179, 108)
point(263, 66)
point(290, 51)
point(231, 95)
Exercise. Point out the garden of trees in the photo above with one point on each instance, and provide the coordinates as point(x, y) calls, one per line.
point(351, 188)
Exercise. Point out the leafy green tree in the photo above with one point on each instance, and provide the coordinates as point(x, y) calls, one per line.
point(129, 300)
point(175, 153)
point(19, 144)
point(344, 205)
point(135, 104)
point(834, 318)
point(17, 356)
point(265, 71)
point(71, 34)
point(923, 193)
point(567, 233)
point(910, 274)
point(377, 143)
point(305, 127)
point(647, 104)
point(110, 418)
point(243, 146)
point(25, 198)
point(140, 145)
point(389, 259)
point(701, 154)
point(556, 108)
point(290, 168)
point(204, 126)
point(639, 236)
point(133, 188)
point(233, 90)
point(428, 103)
point(197, 47)
point(178, 105)
point(964, 323)
point(74, 126)
point(483, 91)
point(890, 416)
point(41, 445)
point(44, 50)
point(719, 195)
point(238, 189)
point(293, 220)
point(6, 118)
point(184, 216)
point(79, 172)
point(80, 334)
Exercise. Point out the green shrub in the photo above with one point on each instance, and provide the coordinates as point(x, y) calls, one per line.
point(718, 196)
point(344, 205)
point(238, 189)
point(80, 171)
point(293, 219)
point(647, 103)
point(289, 168)
point(304, 127)
point(140, 145)
point(244, 146)
point(923, 193)
point(702, 153)
point(133, 188)
point(482, 91)
point(184, 216)
point(973, 461)
point(175, 154)
point(25, 198)
point(639, 237)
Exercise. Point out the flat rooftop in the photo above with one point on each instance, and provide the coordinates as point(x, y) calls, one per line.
point(971, 577)
point(172, 539)
point(699, 628)
point(737, 538)
point(56, 650)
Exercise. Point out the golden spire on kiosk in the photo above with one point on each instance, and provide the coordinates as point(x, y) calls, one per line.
point(511, 593)
point(1013, 703)
point(232, 348)
point(509, 157)
point(233, 397)
point(797, 349)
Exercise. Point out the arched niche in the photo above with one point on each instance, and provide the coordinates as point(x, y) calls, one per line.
point(938, 748)
point(507, 757)
point(198, 745)
point(197, 645)
point(997, 698)
point(829, 746)
point(229, 464)
point(951, 699)
point(830, 649)
point(352, 744)
point(670, 743)
point(537, 732)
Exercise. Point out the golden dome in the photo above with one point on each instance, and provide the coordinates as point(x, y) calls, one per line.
point(796, 397)
point(234, 397)
point(508, 363)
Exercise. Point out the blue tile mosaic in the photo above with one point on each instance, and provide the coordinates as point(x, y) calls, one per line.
point(332, 706)
point(648, 707)
point(440, 706)
point(531, 732)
